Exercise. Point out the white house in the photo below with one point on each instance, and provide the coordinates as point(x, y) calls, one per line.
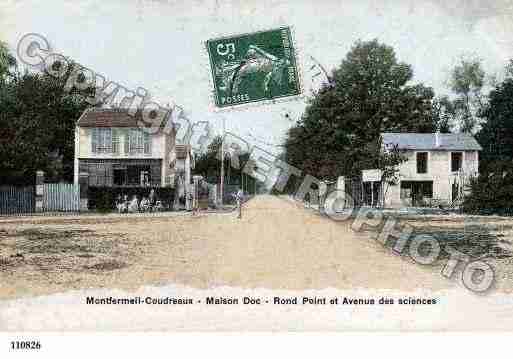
point(436, 170)
point(111, 150)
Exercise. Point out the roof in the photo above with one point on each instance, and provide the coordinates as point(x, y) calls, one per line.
point(428, 141)
point(111, 118)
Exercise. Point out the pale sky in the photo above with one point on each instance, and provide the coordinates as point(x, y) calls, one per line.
point(159, 44)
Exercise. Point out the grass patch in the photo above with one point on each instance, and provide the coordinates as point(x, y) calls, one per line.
point(475, 241)
point(43, 250)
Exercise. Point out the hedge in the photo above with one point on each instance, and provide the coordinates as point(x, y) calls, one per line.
point(103, 199)
point(491, 192)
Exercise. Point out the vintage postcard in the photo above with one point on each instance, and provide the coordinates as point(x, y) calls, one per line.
point(255, 166)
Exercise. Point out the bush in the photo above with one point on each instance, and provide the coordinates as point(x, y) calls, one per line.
point(103, 199)
point(491, 192)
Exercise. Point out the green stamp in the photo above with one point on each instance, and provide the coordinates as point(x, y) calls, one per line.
point(253, 67)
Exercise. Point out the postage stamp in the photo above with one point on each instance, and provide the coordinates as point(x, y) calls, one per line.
point(253, 67)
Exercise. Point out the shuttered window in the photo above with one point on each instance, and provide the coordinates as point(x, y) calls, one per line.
point(115, 141)
point(126, 136)
point(101, 140)
point(138, 142)
point(456, 161)
point(94, 140)
point(147, 143)
point(422, 162)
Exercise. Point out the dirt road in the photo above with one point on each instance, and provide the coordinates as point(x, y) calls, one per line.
point(276, 245)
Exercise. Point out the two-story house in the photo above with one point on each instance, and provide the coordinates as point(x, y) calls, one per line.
point(435, 172)
point(111, 150)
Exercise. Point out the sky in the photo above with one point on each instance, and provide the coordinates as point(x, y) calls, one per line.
point(159, 44)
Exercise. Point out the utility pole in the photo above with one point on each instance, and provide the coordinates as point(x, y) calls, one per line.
point(222, 163)
point(255, 183)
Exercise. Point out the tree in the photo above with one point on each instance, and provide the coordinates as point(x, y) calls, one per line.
point(370, 93)
point(444, 113)
point(388, 164)
point(492, 190)
point(7, 61)
point(208, 165)
point(466, 81)
point(37, 125)
point(496, 134)
point(508, 69)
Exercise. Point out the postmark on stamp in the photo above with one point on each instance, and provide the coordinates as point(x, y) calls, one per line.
point(253, 67)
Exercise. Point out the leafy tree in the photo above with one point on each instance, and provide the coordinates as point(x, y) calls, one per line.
point(7, 61)
point(444, 113)
point(208, 164)
point(496, 135)
point(37, 124)
point(466, 81)
point(509, 69)
point(492, 191)
point(388, 163)
point(370, 93)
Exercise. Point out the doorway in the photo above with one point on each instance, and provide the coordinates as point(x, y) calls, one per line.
point(417, 193)
point(372, 194)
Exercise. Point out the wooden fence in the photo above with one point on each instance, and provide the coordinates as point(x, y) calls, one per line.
point(17, 200)
point(61, 197)
point(49, 197)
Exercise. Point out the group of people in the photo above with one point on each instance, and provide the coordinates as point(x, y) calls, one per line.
point(146, 204)
point(151, 204)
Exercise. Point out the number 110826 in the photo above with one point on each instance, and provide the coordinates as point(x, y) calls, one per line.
point(25, 345)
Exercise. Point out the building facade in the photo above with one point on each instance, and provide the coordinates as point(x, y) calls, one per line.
point(111, 150)
point(435, 173)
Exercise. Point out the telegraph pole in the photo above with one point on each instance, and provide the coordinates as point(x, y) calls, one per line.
point(222, 163)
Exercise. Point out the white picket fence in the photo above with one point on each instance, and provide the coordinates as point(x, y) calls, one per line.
point(61, 197)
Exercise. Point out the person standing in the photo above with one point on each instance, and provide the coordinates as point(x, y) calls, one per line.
point(239, 198)
point(133, 207)
point(152, 199)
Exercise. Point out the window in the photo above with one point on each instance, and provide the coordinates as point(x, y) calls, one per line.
point(132, 175)
point(138, 175)
point(101, 140)
point(416, 193)
point(115, 141)
point(99, 174)
point(122, 172)
point(456, 161)
point(105, 140)
point(422, 162)
point(119, 176)
point(137, 142)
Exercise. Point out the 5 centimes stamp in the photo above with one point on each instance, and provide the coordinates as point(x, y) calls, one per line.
point(253, 67)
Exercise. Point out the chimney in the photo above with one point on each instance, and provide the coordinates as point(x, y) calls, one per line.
point(437, 139)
